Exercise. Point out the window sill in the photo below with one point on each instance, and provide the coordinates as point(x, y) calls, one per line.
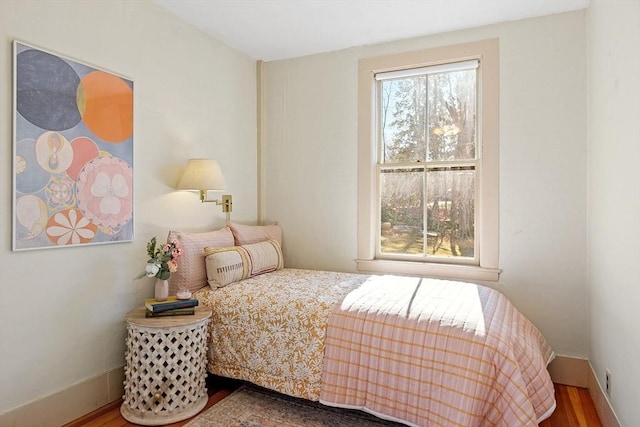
point(442, 271)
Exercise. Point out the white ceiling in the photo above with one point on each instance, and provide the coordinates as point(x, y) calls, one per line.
point(269, 30)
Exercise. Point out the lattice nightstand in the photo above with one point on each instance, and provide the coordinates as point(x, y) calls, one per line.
point(165, 370)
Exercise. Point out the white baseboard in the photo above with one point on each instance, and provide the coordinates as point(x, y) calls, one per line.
point(601, 402)
point(569, 371)
point(579, 373)
point(69, 404)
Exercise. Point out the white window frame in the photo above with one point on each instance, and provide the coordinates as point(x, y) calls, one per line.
point(487, 52)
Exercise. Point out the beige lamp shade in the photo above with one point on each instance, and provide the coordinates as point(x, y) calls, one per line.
point(203, 175)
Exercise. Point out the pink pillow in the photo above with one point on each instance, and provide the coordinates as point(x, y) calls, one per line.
point(192, 271)
point(249, 234)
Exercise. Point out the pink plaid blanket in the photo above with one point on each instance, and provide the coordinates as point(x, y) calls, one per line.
point(436, 353)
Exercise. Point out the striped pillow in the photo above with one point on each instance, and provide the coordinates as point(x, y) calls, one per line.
point(228, 265)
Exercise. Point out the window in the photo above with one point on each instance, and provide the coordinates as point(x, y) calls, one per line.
point(428, 162)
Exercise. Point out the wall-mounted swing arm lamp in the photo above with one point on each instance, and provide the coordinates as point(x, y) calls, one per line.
point(205, 175)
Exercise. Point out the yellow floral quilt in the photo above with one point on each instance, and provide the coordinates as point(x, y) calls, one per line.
point(270, 329)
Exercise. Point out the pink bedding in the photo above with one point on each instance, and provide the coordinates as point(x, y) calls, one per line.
point(436, 353)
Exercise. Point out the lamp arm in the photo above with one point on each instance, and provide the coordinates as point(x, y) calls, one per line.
point(226, 201)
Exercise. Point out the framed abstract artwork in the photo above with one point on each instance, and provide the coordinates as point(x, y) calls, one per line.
point(73, 152)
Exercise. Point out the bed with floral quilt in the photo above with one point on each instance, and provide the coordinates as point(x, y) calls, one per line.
point(423, 352)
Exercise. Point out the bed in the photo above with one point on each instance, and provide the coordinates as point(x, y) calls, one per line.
point(422, 352)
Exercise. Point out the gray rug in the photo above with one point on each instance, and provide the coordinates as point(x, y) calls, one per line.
point(250, 406)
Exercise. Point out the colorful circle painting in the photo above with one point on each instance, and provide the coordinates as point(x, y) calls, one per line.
point(46, 91)
point(106, 106)
point(73, 152)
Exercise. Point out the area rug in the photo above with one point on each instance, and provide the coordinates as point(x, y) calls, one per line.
point(250, 406)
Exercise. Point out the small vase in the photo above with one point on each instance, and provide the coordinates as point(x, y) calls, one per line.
point(161, 290)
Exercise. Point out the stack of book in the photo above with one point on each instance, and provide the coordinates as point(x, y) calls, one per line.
point(172, 306)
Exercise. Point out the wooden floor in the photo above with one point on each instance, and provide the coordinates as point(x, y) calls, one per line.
point(574, 408)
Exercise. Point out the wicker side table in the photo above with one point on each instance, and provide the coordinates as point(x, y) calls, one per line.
point(165, 370)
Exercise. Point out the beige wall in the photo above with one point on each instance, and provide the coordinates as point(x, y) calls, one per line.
point(61, 310)
point(196, 97)
point(613, 210)
point(310, 163)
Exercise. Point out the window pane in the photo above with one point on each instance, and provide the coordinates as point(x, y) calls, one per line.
point(403, 115)
point(428, 211)
point(452, 115)
point(450, 212)
point(401, 211)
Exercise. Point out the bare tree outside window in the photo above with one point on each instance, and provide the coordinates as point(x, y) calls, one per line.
point(427, 167)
